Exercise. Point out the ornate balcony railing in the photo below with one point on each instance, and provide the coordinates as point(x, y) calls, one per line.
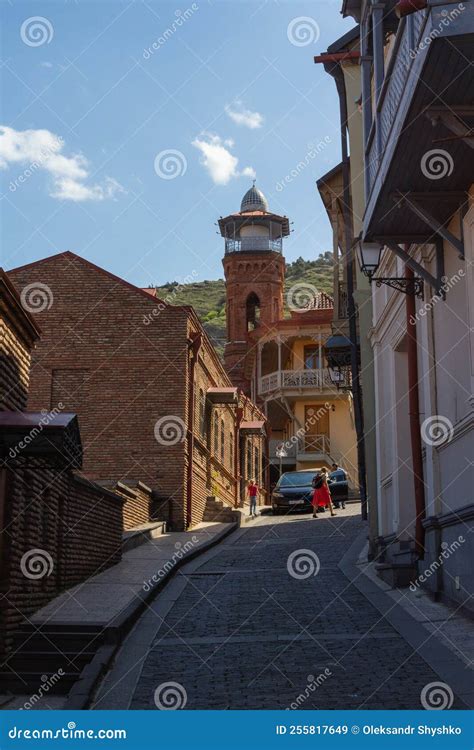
point(297, 379)
point(253, 245)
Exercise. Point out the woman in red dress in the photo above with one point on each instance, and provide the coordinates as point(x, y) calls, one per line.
point(321, 495)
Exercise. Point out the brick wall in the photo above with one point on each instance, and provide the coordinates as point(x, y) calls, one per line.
point(138, 502)
point(117, 357)
point(71, 527)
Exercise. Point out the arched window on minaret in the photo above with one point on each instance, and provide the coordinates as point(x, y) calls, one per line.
point(252, 311)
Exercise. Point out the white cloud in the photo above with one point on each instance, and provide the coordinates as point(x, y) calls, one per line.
point(242, 116)
point(218, 160)
point(42, 150)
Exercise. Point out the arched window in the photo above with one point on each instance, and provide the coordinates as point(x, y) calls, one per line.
point(231, 450)
point(252, 308)
point(216, 433)
point(222, 441)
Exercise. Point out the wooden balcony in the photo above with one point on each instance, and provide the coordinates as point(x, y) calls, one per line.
point(423, 104)
point(304, 381)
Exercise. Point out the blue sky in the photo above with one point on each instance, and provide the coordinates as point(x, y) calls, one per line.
point(96, 95)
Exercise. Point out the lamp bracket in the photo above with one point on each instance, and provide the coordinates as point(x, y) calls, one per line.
point(401, 284)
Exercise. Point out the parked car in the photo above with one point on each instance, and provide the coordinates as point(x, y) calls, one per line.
point(338, 486)
point(293, 491)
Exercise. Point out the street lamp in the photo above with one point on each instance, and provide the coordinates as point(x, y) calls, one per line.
point(337, 350)
point(368, 256)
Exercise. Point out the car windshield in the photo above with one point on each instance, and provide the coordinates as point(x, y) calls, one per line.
point(296, 479)
point(337, 476)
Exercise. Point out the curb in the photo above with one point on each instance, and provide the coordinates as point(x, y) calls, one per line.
point(113, 634)
point(443, 662)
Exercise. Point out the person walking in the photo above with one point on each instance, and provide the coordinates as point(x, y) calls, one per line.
point(252, 492)
point(321, 496)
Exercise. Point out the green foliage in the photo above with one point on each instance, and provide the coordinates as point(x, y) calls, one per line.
point(208, 297)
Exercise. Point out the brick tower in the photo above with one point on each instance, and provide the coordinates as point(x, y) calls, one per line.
point(254, 270)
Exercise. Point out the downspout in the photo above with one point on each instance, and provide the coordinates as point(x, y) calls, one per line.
point(239, 413)
point(336, 71)
point(414, 414)
point(194, 346)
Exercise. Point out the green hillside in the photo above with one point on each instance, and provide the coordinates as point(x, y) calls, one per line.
point(208, 297)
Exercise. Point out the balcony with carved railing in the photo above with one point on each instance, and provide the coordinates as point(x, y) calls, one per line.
point(300, 380)
point(253, 245)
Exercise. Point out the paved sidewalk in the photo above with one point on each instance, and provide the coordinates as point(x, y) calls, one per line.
point(103, 598)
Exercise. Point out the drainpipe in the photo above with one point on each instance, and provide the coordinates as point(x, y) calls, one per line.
point(414, 413)
point(338, 75)
point(239, 413)
point(194, 346)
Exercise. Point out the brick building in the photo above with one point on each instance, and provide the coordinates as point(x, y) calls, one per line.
point(154, 403)
point(57, 528)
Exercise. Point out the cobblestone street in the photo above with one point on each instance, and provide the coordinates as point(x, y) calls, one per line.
point(253, 627)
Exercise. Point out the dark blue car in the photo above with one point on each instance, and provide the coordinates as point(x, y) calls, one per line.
point(293, 491)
